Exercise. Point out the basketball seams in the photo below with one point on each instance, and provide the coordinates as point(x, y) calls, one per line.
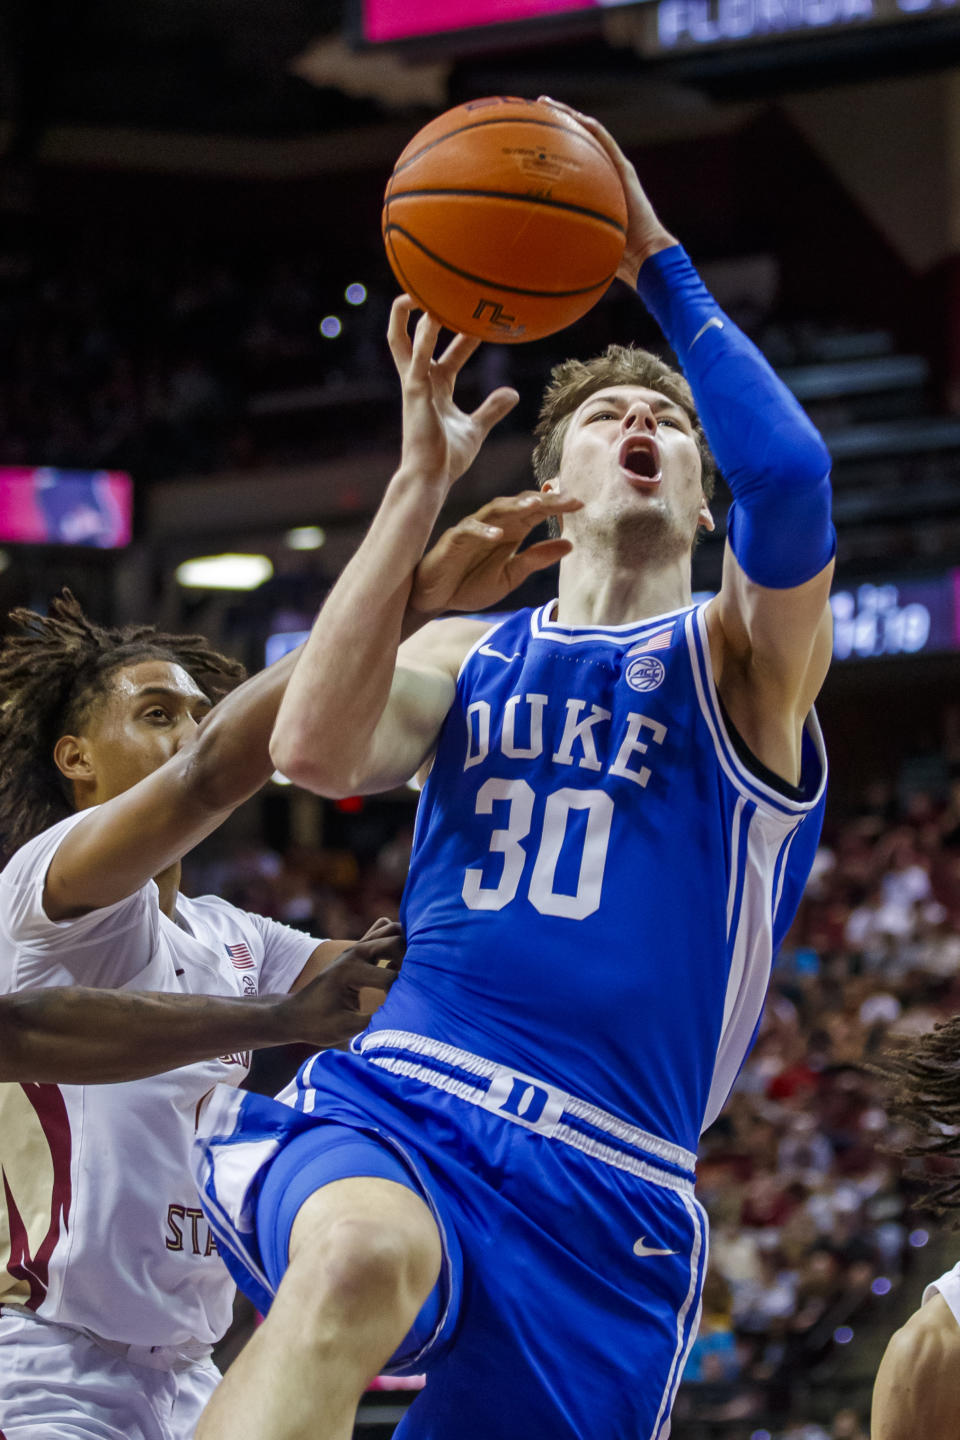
point(521, 198)
point(567, 129)
point(402, 277)
point(603, 282)
point(490, 204)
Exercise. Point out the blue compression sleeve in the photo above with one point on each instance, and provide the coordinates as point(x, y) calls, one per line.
point(768, 451)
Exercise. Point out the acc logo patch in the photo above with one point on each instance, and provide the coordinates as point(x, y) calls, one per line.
point(645, 673)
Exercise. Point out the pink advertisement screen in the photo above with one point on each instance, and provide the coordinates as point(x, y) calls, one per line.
point(65, 507)
point(401, 19)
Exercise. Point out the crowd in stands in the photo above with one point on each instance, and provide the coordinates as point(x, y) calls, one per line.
point(124, 353)
point(812, 1227)
point(152, 367)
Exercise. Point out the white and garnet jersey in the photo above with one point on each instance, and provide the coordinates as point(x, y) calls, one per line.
point(100, 1224)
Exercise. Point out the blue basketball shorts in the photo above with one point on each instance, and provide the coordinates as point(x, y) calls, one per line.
point(573, 1247)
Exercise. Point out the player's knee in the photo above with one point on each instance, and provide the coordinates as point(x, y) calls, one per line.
point(366, 1265)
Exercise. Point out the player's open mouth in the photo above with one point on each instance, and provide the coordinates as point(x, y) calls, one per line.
point(639, 456)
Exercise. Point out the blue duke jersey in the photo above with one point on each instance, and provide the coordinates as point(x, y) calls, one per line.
point(598, 883)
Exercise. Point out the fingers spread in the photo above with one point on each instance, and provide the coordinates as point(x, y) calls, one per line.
point(370, 952)
point(474, 528)
point(398, 335)
point(424, 341)
point(381, 926)
point(517, 515)
point(536, 557)
point(500, 403)
point(380, 977)
point(457, 353)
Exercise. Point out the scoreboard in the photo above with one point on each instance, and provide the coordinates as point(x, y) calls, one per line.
point(669, 27)
point(656, 28)
point(409, 19)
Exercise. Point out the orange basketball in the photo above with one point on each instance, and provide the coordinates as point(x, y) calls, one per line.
point(505, 219)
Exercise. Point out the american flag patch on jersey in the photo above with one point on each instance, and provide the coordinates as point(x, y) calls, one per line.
point(240, 957)
point(660, 641)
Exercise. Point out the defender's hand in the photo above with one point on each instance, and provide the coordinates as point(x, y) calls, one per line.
point(645, 233)
point(339, 1002)
point(440, 441)
point(475, 563)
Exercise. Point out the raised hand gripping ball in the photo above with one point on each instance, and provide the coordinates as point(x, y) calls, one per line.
point(505, 219)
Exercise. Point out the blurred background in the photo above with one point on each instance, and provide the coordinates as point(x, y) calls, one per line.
point(193, 296)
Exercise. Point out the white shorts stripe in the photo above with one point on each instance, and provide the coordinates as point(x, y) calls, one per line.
point(530, 1102)
point(661, 1425)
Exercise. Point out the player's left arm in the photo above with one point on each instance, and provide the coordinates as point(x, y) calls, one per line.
point(770, 626)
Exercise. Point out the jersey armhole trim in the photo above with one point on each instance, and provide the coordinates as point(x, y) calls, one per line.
point(768, 800)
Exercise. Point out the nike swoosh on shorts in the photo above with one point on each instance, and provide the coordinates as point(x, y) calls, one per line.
point(642, 1249)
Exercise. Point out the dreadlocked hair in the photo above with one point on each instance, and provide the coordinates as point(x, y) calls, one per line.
point(923, 1074)
point(51, 676)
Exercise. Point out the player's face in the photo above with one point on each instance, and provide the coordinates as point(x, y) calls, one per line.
point(629, 451)
point(150, 709)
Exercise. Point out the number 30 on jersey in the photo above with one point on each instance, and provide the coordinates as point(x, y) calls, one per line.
point(508, 842)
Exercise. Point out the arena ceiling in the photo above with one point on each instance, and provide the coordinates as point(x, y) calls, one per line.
point(285, 68)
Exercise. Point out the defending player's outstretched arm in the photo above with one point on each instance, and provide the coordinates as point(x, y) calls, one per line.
point(76, 1036)
point(358, 716)
point(770, 626)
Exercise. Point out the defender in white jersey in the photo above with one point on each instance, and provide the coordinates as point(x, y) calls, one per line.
point(917, 1390)
point(111, 1288)
point(624, 793)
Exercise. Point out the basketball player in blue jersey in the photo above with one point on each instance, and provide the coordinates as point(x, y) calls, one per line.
point(623, 797)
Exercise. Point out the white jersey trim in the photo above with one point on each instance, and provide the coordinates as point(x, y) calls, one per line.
point(543, 628)
point(948, 1286)
point(744, 780)
point(753, 873)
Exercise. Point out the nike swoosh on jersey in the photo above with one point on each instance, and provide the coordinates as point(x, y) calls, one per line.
point(642, 1249)
point(498, 654)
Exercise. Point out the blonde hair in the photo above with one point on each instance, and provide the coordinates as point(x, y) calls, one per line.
point(573, 381)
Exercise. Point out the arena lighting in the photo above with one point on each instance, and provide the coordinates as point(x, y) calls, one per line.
point(305, 537)
point(355, 294)
point(918, 1238)
point(761, 1435)
point(330, 327)
point(881, 1286)
point(843, 1334)
point(224, 572)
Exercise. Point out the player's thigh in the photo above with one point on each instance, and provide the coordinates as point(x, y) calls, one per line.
point(342, 1222)
point(365, 1236)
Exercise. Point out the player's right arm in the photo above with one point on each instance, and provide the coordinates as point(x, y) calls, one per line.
point(364, 707)
point(917, 1387)
point(76, 1036)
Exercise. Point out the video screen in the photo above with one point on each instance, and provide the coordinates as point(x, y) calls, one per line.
point(404, 19)
point(43, 506)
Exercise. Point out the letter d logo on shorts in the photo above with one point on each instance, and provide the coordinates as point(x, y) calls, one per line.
point(524, 1101)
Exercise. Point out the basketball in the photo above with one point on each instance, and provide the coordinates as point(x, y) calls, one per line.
point(505, 219)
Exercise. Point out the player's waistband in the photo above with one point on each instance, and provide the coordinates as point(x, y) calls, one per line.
point(152, 1357)
point(532, 1103)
